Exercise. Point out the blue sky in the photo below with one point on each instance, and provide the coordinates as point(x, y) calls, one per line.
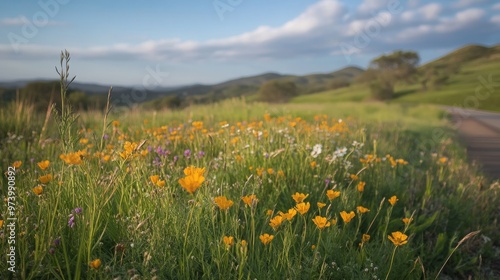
point(184, 42)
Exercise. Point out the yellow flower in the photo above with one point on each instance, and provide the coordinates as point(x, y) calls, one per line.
point(321, 222)
point(73, 158)
point(223, 202)
point(361, 186)
point(333, 221)
point(266, 238)
point(95, 264)
point(289, 215)
point(84, 141)
point(192, 182)
point(43, 164)
point(250, 200)
point(281, 173)
point(38, 190)
point(313, 247)
point(228, 240)
point(191, 170)
point(354, 177)
point(276, 222)
point(321, 205)
point(17, 164)
point(347, 217)
point(302, 207)
point(299, 197)
point(1, 223)
point(270, 171)
point(156, 180)
point(45, 178)
point(116, 123)
point(407, 221)
point(269, 212)
point(398, 238)
point(365, 238)
point(443, 160)
point(362, 209)
point(393, 200)
point(313, 164)
point(332, 194)
point(259, 171)
point(243, 243)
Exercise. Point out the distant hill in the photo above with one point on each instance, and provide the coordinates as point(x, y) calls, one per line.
point(468, 68)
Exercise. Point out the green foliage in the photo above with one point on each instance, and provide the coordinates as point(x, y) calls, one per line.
point(277, 92)
point(381, 90)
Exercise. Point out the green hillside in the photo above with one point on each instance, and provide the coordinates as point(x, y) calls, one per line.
point(476, 83)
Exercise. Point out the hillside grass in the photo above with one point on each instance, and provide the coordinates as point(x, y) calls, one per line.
point(465, 89)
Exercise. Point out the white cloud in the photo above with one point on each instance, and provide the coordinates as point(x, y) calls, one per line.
point(368, 6)
point(495, 19)
point(431, 11)
point(496, 6)
point(22, 20)
point(466, 3)
point(16, 21)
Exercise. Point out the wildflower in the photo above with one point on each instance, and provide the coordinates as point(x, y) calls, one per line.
point(191, 170)
point(243, 243)
point(250, 200)
point(78, 210)
point(361, 186)
point(332, 194)
point(365, 238)
point(321, 222)
point(313, 164)
point(313, 247)
point(95, 264)
point(266, 238)
point(362, 209)
point(288, 215)
point(333, 221)
point(73, 158)
point(17, 164)
point(269, 212)
point(398, 238)
point(347, 217)
point(38, 190)
point(116, 123)
point(321, 205)
point(156, 180)
point(84, 141)
point(354, 177)
point(228, 240)
point(43, 164)
point(71, 221)
point(270, 171)
point(276, 222)
point(223, 202)
point(316, 150)
point(393, 200)
point(187, 153)
point(407, 221)
point(443, 160)
point(1, 223)
point(191, 182)
point(302, 207)
point(281, 173)
point(45, 178)
point(299, 197)
point(259, 171)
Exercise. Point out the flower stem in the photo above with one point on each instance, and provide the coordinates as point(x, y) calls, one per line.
point(392, 260)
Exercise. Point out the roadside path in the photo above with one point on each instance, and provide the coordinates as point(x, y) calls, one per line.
point(480, 132)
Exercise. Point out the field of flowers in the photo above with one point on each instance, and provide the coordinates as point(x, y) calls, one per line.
point(261, 195)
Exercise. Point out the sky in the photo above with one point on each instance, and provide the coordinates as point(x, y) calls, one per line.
point(175, 42)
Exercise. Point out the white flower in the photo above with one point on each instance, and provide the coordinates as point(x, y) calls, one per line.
point(316, 150)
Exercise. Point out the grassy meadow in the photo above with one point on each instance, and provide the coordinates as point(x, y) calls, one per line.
point(235, 190)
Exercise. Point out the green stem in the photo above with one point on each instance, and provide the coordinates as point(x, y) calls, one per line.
point(392, 260)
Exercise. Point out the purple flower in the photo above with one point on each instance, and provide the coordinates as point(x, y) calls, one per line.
point(327, 181)
point(78, 210)
point(52, 251)
point(157, 162)
point(176, 158)
point(105, 137)
point(71, 221)
point(150, 148)
point(57, 241)
point(187, 153)
point(266, 155)
point(201, 154)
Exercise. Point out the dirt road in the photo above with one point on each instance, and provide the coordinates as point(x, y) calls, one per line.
point(480, 132)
